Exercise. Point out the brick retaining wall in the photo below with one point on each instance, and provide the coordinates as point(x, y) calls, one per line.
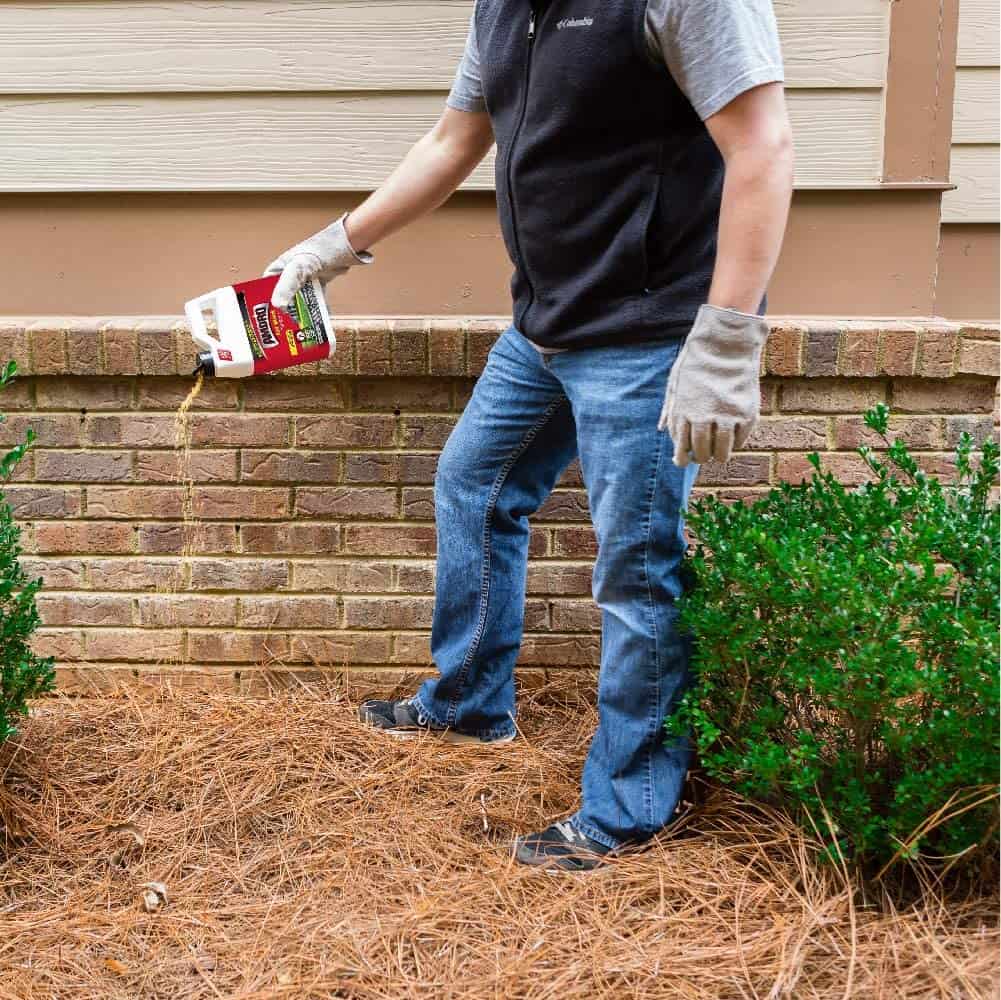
point(314, 488)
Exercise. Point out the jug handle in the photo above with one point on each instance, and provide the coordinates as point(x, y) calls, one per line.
point(199, 332)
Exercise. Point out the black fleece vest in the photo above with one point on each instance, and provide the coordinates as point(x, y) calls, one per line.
point(608, 184)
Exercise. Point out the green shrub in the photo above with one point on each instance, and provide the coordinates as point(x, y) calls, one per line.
point(23, 675)
point(846, 663)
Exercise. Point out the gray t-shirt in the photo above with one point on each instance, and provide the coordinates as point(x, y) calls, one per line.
point(714, 49)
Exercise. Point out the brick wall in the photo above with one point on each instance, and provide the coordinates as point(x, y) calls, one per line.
point(315, 542)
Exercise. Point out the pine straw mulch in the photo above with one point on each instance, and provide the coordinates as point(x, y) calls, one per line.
point(303, 857)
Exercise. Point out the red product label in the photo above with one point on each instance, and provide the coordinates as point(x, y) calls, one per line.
point(281, 338)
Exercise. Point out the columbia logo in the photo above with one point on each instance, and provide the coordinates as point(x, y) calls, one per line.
point(574, 22)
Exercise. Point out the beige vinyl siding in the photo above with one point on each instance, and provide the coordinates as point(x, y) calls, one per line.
point(976, 156)
point(315, 142)
point(127, 95)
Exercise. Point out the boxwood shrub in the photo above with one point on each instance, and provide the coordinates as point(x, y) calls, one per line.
point(846, 654)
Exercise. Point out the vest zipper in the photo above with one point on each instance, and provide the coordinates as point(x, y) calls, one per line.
point(510, 173)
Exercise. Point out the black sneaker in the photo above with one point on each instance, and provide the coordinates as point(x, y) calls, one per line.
point(402, 720)
point(560, 847)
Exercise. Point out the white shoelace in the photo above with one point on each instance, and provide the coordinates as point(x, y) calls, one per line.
point(569, 832)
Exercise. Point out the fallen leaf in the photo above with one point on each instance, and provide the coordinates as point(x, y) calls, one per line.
point(118, 968)
point(154, 896)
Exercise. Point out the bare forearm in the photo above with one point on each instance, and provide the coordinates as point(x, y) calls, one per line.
point(435, 166)
point(755, 207)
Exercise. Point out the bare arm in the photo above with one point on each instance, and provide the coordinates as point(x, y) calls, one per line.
point(435, 166)
point(753, 136)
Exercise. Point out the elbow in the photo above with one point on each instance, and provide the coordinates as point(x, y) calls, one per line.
point(779, 154)
point(768, 157)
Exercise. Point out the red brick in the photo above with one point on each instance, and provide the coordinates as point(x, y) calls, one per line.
point(412, 648)
point(342, 649)
point(14, 344)
point(230, 430)
point(156, 353)
point(44, 501)
point(574, 542)
point(978, 357)
point(559, 578)
point(571, 475)
point(409, 352)
point(169, 393)
point(202, 611)
point(830, 395)
point(898, 352)
point(132, 430)
point(978, 331)
point(784, 351)
point(954, 395)
point(83, 466)
point(290, 612)
point(22, 392)
point(920, 433)
point(402, 394)
point(462, 391)
point(480, 338)
point(788, 433)
point(426, 431)
point(84, 350)
point(239, 574)
point(418, 503)
point(121, 352)
point(135, 645)
point(290, 466)
point(538, 542)
point(446, 349)
point(981, 428)
point(342, 361)
point(415, 578)
point(85, 609)
point(55, 573)
point(134, 574)
point(345, 502)
point(373, 352)
point(820, 356)
point(71, 537)
point(859, 351)
point(848, 468)
point(339, 576)
point(52, 430)
point(389, 540)
point(536, 616)
point(370, 430)
point(80, 394)
point(197, 466)
point(196, 537)
point(560, 651)
point(63, 644)
point(576, 616)
point(237, 647)
point(388, 612)
point(937, 352)
point(741, 470)
point(304, 539)
point(371, 467)
point(48, 351)
point(245, 503)
point(134, 501)
point(271, 393)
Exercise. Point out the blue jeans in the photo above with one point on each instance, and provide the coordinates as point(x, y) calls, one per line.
point(528, 418)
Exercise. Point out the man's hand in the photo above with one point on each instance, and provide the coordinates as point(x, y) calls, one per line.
point(326, 256)
point(713, 397)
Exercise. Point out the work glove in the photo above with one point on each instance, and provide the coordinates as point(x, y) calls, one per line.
point(326, 256)
point(713, 396)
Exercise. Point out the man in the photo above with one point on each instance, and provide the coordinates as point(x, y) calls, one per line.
point(644, 171)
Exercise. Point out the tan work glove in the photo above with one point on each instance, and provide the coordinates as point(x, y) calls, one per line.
point(326, 256)
point(713, 397)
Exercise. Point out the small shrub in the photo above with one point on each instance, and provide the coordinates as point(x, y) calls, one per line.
point(846, 662)
point(23, 674)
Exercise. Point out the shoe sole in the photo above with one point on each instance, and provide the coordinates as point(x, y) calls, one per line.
point(445, 735)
